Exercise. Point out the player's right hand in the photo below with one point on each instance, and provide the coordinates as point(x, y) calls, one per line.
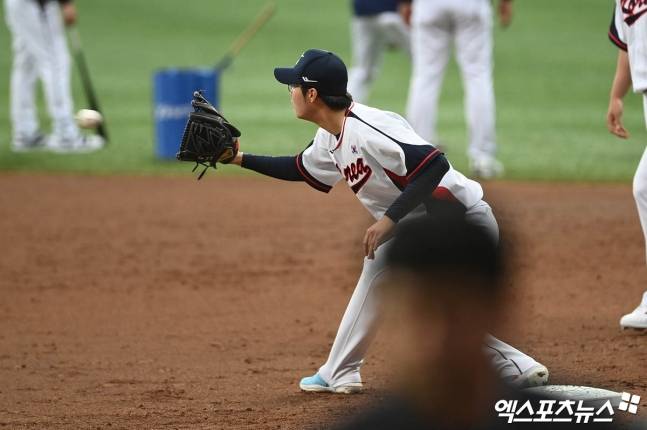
point(505, 12)
point(376, 235)
point(68, 10)
point(614, 118)
point(404, 9)
point(238, 159)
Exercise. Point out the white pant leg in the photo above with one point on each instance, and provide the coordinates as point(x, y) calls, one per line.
point(395, 31)
point(24, 118)
point(508, 361)
point(430, 48)
point(59, 103)
point(40, 35)
point(474, 55)
point(358, 325)
point(24, 73)
point(640, 184)
point(368, 45)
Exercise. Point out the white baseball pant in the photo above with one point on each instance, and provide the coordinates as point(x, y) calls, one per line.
point(359, 323)
point(436, 26)
point(370, 36)
point(39, 51)
point(640, 184)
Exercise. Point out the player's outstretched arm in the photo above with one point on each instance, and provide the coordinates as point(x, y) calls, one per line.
point(621, 84)
point(291, 168)
point(283, 167)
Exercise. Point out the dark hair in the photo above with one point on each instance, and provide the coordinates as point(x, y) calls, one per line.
point(333, 102)
point(444, 241)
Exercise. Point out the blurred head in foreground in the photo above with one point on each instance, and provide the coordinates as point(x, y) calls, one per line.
point(447, 279)
point(445, 288)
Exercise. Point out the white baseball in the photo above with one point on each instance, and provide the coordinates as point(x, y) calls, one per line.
point(88, 118)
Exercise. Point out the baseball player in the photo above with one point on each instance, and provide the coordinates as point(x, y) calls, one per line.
point(436, 26)
point(40, 51)
point(394, 173)
point(628, 31)
point(376, 25)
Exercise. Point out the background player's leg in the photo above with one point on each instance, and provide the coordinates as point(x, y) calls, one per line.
point(430, 45)
point(474, 55)
point(367, 44)
point(57, 78)
point(395, 31)
point(42, 35)
point(638, 318)
point(24, 74)
point(357, 327)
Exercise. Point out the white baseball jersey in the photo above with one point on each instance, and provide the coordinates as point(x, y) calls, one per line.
point(377, 153)
point(628, 31)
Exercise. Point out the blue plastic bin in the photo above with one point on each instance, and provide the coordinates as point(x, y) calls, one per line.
point(172, 94)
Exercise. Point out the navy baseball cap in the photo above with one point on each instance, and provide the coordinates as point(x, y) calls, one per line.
point(319, 69)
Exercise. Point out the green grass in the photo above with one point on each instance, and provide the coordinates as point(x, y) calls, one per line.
point(553, 72)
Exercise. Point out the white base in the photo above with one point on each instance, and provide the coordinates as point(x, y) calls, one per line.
point(593, 396)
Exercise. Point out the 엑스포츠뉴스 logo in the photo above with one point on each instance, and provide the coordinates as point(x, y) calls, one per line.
point(564, 410)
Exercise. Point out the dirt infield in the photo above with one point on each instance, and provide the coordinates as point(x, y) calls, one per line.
point(168, 303)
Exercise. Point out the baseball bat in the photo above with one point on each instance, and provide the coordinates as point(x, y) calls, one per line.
point(247, 35)
point(84, 73)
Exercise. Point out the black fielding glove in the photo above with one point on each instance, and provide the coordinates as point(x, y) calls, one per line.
point(208, 137)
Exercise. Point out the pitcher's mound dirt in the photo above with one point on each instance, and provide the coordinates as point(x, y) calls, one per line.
point(166, 302)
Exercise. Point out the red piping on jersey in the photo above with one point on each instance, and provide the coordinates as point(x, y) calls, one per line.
point(343, 126)
point(433, 154)
point(619, 43)
point(402, 181)
point(442, 193)
point(311, 180)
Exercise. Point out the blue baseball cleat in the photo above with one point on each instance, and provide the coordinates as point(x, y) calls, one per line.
point(316, 384)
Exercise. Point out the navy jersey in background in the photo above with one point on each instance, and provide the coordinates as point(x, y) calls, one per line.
point(374, 7)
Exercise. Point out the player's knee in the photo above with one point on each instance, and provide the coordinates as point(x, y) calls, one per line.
point(476, 72)
point(22, 60)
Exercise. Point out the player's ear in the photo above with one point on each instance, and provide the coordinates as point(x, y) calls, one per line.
point(311, 95)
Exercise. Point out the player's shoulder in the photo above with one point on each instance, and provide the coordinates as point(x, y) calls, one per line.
point(361, 117)
point(367, 113)
point(383, 125)
point(323, 136)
